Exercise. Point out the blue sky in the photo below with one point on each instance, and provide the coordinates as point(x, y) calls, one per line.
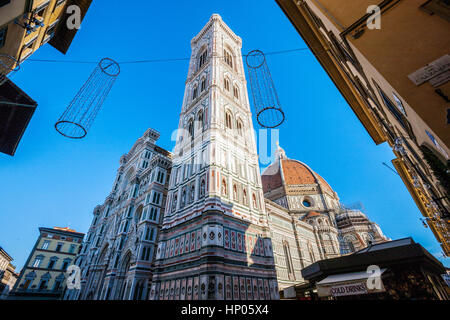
point(55, 181)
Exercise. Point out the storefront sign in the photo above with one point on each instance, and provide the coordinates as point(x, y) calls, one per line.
point(348, 289)
point(432, 70)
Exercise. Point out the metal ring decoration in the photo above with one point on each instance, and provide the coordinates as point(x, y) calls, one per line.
point(62, 122)
point(260, 115)
point(79, 115)
point(265, 99)
point(257, 54)
point(106, 63)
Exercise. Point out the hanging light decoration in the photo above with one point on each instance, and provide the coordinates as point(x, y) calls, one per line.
point(78, 117)
point(265, 99)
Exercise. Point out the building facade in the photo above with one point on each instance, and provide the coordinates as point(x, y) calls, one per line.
point(203, 223)
point(25, 26)
point(116, 261)
point(395, 78)
point(8, 275)
point(307, 221)
point(44, 273)
point(215, 240)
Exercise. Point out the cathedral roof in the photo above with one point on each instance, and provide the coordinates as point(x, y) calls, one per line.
point(291, 172)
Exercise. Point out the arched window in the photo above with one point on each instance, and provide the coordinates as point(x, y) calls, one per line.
point(191, 129)
point(203, 85)
point(368, 238)
point(347, 244)
point(288, 259)
point(174, 203)
point(255, 203)
point(226, 84)
point(200, 120)
point(195, 93)
point(202, 188)
point(311, 253)
point(224, 187)
point(192, 193)
point(239, 127)
point(236, 92)
point(228, 58)
point(228, 121)
point(244, 196)
point(183, 198)
point(235, 194)
point(202, 58)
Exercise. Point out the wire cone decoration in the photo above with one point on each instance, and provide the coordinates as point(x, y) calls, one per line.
point(265, 99)
point(80, 114)
point(8, 65)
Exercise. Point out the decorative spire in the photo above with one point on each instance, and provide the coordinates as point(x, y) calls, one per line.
point(280, 153)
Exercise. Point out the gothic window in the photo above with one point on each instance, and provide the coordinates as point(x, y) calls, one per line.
point(346, 244)
point(195, 93)
point(202, 188)
point(153, 213)
point(368, 238)
point(136, 190)
point(202, 59)
point(311, 253)
point(255, 203)
point(288, 259)
point(160, 177)
point(239, 127)
point(235, 194)
point(183, 198)
point(236, 92)
point(244, 196)
point(137, 216)
point(224, 187)
point(192, 193)
point(228, 58)
point(152, 231)
point(156, 198)
point(228, 121)
point(145, 256)
point(226, 84)
point(200, 120)
point(203, 85)
point(191, 129)
point(174, 203)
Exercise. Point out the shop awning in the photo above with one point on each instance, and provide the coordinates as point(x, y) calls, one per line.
point(354, 283)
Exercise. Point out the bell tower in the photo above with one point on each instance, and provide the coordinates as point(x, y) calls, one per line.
point(214, 242)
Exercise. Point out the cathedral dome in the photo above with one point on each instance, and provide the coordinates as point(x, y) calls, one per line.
point(289, 172)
